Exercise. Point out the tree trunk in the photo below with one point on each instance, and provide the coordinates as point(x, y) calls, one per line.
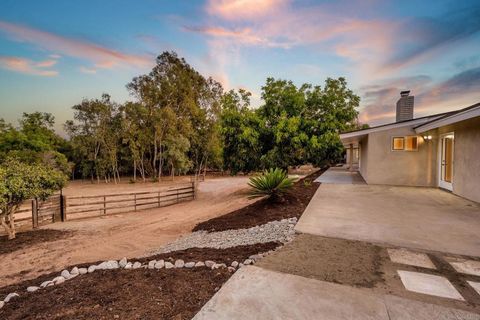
point(134, 170)
point(10, 226)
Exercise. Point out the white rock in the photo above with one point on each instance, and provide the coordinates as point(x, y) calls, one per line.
point(10, 296)
point(82, 270)
point(136, 265)
point(32, 289)
point(2, 304)
point(128, 265)
point(189, 264)
point(231, 269)
point(247, 261)
point(74, 271)
point(179, 263)
point(59, 280)
point(123, 262)
point(151, 264)
point(92, 268)
point(234, 264)
point(160, 264)
point(169, 265)
point(65, 274)
point(209, 263)
point(72, 276)
point(200, 264)
point(219, 265)
point(255, 257)
point(102, 266)
point(112, 264)
point(46, 283)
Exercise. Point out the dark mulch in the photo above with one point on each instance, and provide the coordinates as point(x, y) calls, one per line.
point(29, 238)
point(130, 294)
point(122, 294)
point(264, 210)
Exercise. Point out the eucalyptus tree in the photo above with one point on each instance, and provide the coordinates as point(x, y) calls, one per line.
point(95, 136)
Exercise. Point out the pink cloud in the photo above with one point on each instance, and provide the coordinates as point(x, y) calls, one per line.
point(27, 66)
point(101, 56)
point(240, 9)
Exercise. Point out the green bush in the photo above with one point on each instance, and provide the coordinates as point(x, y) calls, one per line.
point(273, 183)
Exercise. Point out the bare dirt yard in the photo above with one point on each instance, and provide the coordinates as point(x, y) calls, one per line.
point(115, 236)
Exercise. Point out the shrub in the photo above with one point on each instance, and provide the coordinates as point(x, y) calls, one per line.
point(273, 183)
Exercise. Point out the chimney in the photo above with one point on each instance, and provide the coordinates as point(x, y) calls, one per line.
point(405, 106)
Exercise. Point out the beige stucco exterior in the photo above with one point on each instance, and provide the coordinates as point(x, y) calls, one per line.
point(379, 164)
point(466, 167)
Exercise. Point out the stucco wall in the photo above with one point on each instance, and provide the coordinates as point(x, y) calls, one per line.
point(466, 166)
point(406, 168)
point(363, 161)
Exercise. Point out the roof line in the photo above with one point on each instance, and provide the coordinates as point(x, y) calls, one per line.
point(450, 114)
point(404, 121)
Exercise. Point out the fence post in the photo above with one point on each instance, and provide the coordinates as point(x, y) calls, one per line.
point(135, 201)
point(104, 204)
point(63, 208)
point(159, 199)
point(193, 189)
point(34, 213)
point(177, 195)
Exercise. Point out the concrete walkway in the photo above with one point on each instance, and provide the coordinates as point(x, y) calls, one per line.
point(422, 218)
point(255, 293)
point(340, 176)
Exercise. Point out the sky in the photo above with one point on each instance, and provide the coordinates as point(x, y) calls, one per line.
point(55, 53)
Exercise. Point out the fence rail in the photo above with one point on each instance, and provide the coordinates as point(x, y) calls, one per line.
point(62, 208)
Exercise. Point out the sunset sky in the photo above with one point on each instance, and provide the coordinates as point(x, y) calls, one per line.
point(54, 53)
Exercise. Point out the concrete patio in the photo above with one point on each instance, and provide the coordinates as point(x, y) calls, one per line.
point(422, 218)
point(256, 293)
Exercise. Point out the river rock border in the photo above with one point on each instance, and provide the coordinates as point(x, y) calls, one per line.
point(66, 275)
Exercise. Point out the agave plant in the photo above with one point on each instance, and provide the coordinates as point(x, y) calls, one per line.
point(272, 183)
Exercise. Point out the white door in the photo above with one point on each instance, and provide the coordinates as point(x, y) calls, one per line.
point(446, 161)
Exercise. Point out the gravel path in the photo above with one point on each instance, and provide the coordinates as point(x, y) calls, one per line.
point(281, 231)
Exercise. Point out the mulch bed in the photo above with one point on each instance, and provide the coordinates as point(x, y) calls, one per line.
point(130, 294)
point(29, 238)
point(264, 210)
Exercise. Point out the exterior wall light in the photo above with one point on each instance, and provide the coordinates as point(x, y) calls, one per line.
point(427, 138)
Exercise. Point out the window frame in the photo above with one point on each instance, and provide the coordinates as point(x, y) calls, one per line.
point(404, 143)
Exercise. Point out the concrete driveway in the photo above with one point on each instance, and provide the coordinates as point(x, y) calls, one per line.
point(422, 218)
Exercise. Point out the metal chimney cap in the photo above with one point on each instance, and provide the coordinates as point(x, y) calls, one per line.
point(404, 93)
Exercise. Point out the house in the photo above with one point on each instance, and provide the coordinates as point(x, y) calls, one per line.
point(441, 150)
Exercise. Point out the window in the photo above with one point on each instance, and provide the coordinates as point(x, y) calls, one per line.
point(408, 143)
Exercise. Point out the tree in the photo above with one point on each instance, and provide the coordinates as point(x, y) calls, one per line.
point(180, 104)
point(19, 182)
point(35, 141)
point(240, 128)
point(95, 136)
point(302, 124)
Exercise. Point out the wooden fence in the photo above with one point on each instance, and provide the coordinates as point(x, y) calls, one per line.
point(62, 208)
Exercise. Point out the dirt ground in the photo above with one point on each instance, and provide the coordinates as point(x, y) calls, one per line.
point(263, 211)
point(130, 294)
point(129, 234)
point(362, 264)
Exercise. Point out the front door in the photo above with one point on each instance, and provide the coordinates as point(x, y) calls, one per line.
point(446, 161)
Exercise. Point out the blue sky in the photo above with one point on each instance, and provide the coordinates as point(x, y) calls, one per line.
point(54, 53)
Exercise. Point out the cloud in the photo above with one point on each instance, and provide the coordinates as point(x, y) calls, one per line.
point(379, 101)
point(88, 70)
point(100, 56)
point(241, 9)
point(419, 38)
point(27, 66)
